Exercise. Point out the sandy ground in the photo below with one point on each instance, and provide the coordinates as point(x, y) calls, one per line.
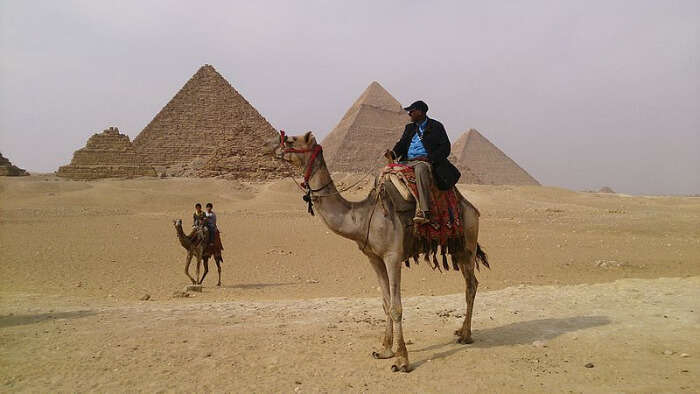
point(75, 257)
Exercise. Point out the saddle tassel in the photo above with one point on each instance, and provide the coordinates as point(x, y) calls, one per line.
point(444, 259)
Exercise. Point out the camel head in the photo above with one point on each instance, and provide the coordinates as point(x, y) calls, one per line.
point(294, 149)
point(177, 222)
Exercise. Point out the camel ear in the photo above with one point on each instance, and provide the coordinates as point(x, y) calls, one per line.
point(309, 138)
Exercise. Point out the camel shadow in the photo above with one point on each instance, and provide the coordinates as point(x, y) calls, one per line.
point(21, 320)
point(246, 286)
point(518, 333)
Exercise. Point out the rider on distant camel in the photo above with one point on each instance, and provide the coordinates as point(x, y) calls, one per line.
point(424, 144)
point(210, 222)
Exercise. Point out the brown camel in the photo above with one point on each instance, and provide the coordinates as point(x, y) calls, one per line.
point(213, 250)
point(386, 239)
point(196, 246)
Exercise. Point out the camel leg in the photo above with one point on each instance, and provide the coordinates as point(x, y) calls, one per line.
point(199, 264)
point(467, 263)
point(467, 268)
point(218, 261)
point(188, 260)
point(388, 341)
point(393, 269)
point(205, 260)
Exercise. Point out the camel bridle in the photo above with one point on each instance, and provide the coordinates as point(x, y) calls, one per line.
point(315, 151)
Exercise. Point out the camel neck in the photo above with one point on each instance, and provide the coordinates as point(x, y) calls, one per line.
point(343, 217)
point(184, 240)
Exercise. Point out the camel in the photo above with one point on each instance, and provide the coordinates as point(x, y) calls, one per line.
point(385, 238)
point(215, 252)
point(196, 246)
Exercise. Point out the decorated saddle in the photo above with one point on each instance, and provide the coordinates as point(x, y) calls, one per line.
point(445, 231)
point(209, 249)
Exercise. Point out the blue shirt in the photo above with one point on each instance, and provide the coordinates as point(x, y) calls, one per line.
point(416, 149)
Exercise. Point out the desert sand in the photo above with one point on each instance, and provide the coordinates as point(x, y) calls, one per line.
point(608, 280)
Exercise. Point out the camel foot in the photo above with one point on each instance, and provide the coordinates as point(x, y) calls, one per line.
point(219, 284)
point(387, 353)
point(400, 368)
point(465, 340)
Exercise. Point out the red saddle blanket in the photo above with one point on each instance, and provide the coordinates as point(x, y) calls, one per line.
point(445, 227)
point(217, 247)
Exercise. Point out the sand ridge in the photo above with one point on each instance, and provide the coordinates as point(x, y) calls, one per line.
point(635, 333)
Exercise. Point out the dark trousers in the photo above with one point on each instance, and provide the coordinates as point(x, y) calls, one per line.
point(212, 230)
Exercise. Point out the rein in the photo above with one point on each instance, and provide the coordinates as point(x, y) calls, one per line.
point(315, 150)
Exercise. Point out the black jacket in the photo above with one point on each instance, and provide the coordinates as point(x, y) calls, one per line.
point(437, 144)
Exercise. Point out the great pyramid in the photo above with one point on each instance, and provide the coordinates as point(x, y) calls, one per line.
point(7, 169)
point(373, 124)
point(209, 123)
point(109, 154)
point(482, 162)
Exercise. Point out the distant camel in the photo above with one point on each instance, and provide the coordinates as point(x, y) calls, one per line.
point(384, 237)
point(196, 246)
point(214, 251)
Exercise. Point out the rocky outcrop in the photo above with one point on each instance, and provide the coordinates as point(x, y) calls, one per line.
point(7, 169)
point(209, 129)
point(109, 154)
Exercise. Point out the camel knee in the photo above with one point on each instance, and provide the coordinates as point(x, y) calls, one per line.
point(396, 313)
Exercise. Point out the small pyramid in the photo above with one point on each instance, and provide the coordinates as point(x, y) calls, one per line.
point(372, 125)
point(209, 121)
point(7, 169)
point(481, 162)
point(108, 154)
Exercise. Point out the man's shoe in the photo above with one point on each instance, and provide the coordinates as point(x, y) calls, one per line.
point(421, 217)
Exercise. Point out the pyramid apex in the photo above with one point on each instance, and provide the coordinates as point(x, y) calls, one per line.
point(376, 96)
point(206, 69)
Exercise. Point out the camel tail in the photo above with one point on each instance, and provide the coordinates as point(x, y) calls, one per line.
point(481, 256)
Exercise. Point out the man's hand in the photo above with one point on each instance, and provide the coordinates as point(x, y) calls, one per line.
point(389, 156)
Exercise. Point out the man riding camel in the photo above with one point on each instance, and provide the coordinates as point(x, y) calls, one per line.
point(210, 222)
point(198, 215)
point(425, 146)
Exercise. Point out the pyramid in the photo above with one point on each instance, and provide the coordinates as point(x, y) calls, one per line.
point(372, 125)
point(109, 154)
point(482, 162)
point(7, 169)
point(209, 122)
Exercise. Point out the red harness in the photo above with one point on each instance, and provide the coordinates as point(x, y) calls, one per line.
point(315, 151)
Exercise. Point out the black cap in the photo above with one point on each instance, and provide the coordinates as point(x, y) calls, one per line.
point(419, 105)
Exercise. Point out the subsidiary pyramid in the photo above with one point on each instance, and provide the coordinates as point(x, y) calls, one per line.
point(8, 169)
point(210, 123)
point(372, 125)
point(482, 162)
point(108, 154)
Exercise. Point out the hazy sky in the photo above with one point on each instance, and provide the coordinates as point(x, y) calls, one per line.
point(580, 93)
